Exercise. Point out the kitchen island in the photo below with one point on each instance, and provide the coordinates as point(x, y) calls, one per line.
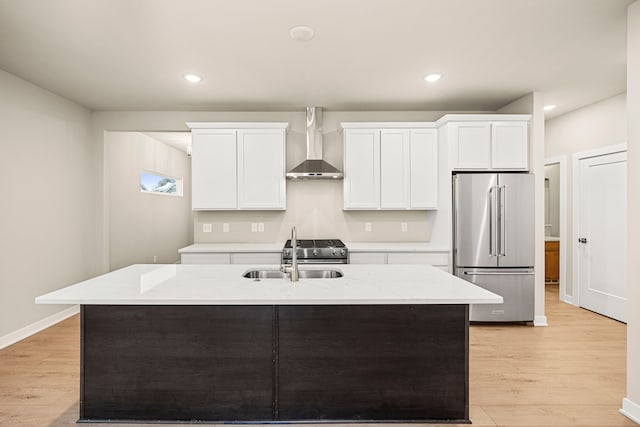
point(190, 343)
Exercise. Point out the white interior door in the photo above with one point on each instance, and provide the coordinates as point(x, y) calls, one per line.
point(602, 234)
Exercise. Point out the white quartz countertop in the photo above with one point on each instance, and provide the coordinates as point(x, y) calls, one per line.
point(180, 284)
point(393, 247)
point(199, 248)
point(277, 247)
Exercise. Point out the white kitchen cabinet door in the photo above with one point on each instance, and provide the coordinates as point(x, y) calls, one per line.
point(395, 158)
point(261, 169)
point(256, 258)
point(361, 169)
point(423, 179)
point(470, 145)
point(437, 259)
point(205, 258)
point(509, 148)
point(367, 258)
point(213, 169)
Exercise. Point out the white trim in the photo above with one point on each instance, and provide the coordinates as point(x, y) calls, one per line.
point(38, 326)
point(482, 118)
point(238, 125)
point(387, 125)
point(602, 151)
point(561, 161)
point(540, 321)
point(630, 410)
point(581, 155)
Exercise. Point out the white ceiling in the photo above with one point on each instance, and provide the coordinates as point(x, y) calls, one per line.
point(366, 54)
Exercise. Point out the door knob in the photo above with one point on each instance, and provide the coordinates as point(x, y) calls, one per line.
point(582, 240)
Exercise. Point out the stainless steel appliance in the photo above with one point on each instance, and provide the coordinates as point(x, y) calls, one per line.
point(314, 167)
point(317, 251)
point(493, 241)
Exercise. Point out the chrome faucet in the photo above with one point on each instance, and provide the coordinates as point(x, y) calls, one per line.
point(293, 268)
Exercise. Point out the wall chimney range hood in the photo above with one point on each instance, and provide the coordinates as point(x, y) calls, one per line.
point(314, 167)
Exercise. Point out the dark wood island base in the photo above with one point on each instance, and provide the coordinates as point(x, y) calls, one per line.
point(258, 363)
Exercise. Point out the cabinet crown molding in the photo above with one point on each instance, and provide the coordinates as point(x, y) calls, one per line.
point(238, 125)
point(388, 125)
point(447, 118)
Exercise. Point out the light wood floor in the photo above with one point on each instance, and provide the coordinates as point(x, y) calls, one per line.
point(571, 373)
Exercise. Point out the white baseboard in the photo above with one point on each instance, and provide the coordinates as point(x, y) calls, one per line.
point(34, 328)
point(630, 410)
point(540, 321)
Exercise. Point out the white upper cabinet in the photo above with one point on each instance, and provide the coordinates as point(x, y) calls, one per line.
point(388, 166)
point(395, 186)
point(509, 147)
point(423, 162)
point(471, 145)
point(238, 166)
point(261, 169)
point(213, 174)
point(361, 169)
point(489, 144)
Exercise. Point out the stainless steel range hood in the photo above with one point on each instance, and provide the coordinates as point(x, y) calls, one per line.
point(314, 167)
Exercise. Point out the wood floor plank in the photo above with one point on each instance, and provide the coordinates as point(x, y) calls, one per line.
point(571, 373)
point(560, 415)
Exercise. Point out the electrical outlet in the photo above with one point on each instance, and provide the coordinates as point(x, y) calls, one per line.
point(261, 227)
point(207, 228)
point(225, 227)
point(367, 227)
point(155, 259)
point(403, 227)
point(254, 227)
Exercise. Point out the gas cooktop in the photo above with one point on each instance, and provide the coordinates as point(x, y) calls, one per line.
point(317, 251)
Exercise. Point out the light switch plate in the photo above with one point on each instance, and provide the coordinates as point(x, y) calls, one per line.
point(367, 227)
point(254, 227)
point(207, 228)
point(403, 227)
point(225, 227)
point(261, 227)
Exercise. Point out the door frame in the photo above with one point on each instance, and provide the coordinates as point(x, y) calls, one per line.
point(561, 161)
point(575, 166)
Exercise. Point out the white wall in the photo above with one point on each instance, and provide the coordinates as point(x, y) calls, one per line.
point(632, 402)
point(594, 126)
point(143, 225)
point(533, 104)
point(597, 125)
point(49, 219)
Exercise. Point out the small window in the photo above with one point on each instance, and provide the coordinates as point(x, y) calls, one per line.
point(159, 184)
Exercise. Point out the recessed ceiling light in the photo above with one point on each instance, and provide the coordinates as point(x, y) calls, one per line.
point(549, 107)
point(192, 78)
point(434, 77)
point(302, 33)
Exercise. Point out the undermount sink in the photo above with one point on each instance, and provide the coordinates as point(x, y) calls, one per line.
point(304, 274)
point(320, 274)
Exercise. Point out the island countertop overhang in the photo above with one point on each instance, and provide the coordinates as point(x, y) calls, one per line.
point(176, 284)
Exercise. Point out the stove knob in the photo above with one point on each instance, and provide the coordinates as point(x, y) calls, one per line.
point(287, 252)
point(315, 252)
point(333, 252)
point(342, 252)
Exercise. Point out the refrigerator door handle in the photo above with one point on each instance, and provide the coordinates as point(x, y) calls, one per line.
point(492, 223)
point(502, 197)
point(498, 273)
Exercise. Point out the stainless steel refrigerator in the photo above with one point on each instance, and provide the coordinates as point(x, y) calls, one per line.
point(493, 241)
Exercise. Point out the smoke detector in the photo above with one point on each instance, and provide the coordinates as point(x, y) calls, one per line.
point(302, 33)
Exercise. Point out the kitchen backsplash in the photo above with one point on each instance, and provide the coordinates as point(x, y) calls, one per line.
point(315, 208)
